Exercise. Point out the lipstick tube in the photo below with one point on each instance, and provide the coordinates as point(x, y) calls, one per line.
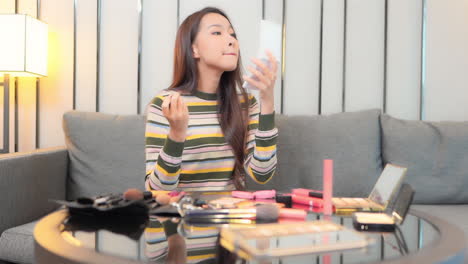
point(311, 201)
point(292, 213)
point(308, 192)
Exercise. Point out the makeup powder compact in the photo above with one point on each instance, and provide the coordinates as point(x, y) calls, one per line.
point(386, 222)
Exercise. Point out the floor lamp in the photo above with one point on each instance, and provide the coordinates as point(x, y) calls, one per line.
point(6, 113)
point(23, 53)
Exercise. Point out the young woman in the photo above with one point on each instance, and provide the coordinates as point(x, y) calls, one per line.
point(204, 132)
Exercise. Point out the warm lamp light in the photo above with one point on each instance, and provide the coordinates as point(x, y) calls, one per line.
point(23, 53)
point(23, 50)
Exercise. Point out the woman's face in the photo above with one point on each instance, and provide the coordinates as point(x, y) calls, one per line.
point(215, 44)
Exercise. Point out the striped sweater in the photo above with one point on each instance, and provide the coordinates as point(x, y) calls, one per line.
point(205, 161)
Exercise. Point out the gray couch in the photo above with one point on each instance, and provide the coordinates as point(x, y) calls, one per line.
point(105, 153)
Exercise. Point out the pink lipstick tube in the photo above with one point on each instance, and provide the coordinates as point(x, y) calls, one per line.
point(243, 195)
point(310, 201)
point(292, 213)
point(266, 194)
point(306, 192)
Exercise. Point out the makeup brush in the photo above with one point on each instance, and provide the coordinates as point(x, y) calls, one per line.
point(217, 221)
point(262, 213)
point(161, 197)
point(135, 194)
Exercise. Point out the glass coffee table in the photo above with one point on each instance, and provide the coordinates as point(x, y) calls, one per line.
point(420, 239)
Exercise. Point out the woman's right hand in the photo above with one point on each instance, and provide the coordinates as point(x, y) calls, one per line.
point(176, 112)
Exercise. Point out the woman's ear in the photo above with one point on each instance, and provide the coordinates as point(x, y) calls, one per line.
point(196, 55)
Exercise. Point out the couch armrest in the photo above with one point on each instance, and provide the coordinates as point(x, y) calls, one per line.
point(27, 181)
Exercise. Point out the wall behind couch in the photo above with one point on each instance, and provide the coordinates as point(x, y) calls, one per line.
point(406, 57)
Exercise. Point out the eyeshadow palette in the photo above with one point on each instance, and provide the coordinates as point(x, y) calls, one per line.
point(278, 240)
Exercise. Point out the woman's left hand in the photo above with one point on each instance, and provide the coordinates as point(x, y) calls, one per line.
point(265, 83)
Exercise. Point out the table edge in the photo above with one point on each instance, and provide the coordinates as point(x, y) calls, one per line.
point(51, 247)
point(450, 247)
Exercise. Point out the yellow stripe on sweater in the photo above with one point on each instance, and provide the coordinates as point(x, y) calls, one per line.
point(199, 228)
point(161, 97)
point(204, 136)
point(252, 175)
point(200, 257)
point(242, 98)
point(270, 148)
point(201, 103)
point(154, 229)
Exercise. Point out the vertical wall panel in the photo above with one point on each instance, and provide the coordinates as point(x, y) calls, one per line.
point(12, 115)
point(365, 54)
point(446, 94)
point(273, 10)
point(27, 95)
point(332, 56)
point(5, 7)
point(302, 57)
point(8, 6)
point(56, 93)
point(403, 59)
point(27, 7)
point(26, 114)
point(2, 105)
point(246, 22)
point(158, 39)
point(118, 67)
point(85, 81)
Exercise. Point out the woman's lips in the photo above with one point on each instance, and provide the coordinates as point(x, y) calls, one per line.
point(233, 54)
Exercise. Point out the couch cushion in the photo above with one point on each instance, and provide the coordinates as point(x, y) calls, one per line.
point(435, 153)
point(17, 244)
point(351, 139)
point(107, 152)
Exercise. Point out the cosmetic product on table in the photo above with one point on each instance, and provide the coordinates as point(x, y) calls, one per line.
point(278, 240)
point(383, 193)
point(387, 221)
point(327, 187)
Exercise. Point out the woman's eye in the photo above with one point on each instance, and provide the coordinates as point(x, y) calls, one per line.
point(216, 33)
point(234, 35)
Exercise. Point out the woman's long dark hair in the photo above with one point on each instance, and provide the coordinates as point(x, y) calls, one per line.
point(233, 116)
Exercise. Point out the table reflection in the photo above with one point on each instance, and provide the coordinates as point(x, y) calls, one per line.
point(169, 241)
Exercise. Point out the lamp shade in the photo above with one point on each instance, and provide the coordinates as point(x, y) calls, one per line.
point(23, 46)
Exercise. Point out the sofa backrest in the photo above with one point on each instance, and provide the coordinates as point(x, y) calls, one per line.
point(107, 152)
point(435, 153)
point(351, 140)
